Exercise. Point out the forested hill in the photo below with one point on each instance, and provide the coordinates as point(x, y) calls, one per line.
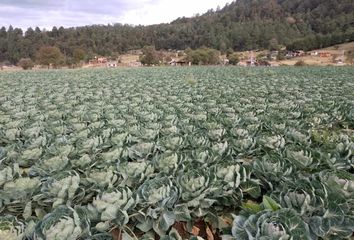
point(241, 25)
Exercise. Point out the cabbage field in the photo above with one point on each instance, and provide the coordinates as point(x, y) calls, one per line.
point(177, 153)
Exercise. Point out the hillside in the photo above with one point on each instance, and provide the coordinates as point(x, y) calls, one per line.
point(241, 25)
point(337, 56)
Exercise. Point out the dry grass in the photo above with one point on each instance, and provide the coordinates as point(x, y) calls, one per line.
point(341, 47)
point(128, 58)
point(309, 60)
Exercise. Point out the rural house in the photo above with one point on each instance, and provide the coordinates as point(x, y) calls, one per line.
point(325, 54)
point(179, 62)
point(112, 64)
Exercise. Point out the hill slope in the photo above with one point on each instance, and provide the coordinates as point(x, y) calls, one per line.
point(337, 56)
point(241, 25)
point(251, 24)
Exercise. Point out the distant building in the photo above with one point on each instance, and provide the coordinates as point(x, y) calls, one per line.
point(253, 63)
point(134, 64)
point(250, 63)
point(179, 62)
point(112, 64)
point(339, 60)
point(293, 54)
point(102, 60)
point(98, 61)
point(300, 53)
point(325, 54)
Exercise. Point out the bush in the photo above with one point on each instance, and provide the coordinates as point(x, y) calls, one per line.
point(350, 56)
point(26, 63)
point(229, 52)
point(150, 56)
point(300, 63)
point(203, 56)
point(50, 56)
point(234, 59)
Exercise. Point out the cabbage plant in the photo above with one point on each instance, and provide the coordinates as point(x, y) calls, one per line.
point(63, 224)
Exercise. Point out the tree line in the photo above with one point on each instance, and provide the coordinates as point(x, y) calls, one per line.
point(241, 25)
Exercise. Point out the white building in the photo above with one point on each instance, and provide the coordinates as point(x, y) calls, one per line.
point(112, 64)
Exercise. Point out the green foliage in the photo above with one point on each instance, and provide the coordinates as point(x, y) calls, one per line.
point(111, 209)
point(82, 152)
point(229, 51)
point(191, 80)
point(274, 44)
point(26, 63)
point(63, 223)
point(11, 228)
point(270, 204)
point(79, 55)
point(49, 56)
point(280, 224)
point(149, 56)
point(203, 56)
point(281, 55)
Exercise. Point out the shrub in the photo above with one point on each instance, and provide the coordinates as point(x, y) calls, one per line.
point(26, 63)
point(150, 56)
point(203, 56)
point(50, 56)
point(234, 59)
point(300, 63)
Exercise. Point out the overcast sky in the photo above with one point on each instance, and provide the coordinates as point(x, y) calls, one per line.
point(70, 13)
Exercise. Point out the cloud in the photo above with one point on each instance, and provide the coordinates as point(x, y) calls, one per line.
point(32, 4)
point(71, 13)
point(165, 11)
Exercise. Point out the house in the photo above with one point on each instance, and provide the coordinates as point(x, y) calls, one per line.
point(253, 63)
point(179, 62)
point(98, 61)
point(247, 63)
point(300, 53)
point(290, 54)
point(112, 64)
point(102, 60)
point(325, 54)
point(293, 54)
point(339, 60)
point(134, 64)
